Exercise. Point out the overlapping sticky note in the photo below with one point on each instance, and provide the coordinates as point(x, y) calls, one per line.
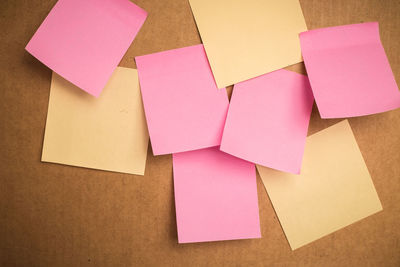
point(348, 70)
point(184, 108)
point(83, 41)
point(333, 190)
point(215, 196)
point(268, 119)
point(245, 39)
point(107, 133)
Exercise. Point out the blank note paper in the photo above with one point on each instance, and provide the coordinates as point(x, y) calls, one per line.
point(245, 39)
point(333, 190)
point(83, 41)
point(107, 133)
point(348, 70)
point(184, 108)
point(215, 197)
point(268, 119)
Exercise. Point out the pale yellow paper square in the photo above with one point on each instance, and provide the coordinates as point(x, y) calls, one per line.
point(333, 190)
point(107, 133)
point(245, 39)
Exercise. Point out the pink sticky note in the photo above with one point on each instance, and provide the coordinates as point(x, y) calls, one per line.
point(348, 70)
point(215, 196)
point(268, 120)
point(83, 41)
point(184, 108)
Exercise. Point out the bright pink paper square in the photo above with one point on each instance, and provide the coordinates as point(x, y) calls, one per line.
point(268, 120)
point(83, 41)
point(184, 108)
point(348, 70)
point(215, 197)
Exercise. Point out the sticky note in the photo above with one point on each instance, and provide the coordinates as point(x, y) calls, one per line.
point(184, 108)
point(349, 72)
point(215, 196)
point(83, 41)
point(108, 133)
point(333, 190)
point(245, 39)
point(268, 120)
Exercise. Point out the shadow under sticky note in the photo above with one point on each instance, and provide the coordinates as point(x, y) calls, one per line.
point(106, 133)
point(184, 108)
point(268, 119)
point(245, 39)
point(215, 196)
point(83, 41)
point(349, 72)
point(333, 190)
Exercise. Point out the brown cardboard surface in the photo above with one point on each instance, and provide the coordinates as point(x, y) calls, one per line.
point(56, 215)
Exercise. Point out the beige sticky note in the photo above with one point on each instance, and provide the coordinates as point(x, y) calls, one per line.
point(107, 133)
point(245, 39)
point(333, 190)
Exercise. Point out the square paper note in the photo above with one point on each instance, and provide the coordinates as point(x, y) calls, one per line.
point(245, 39)
point(333, 190)
point(349, 72)
point(107, 133)
point(83, 41)
point(268, 120)
point(184, 108)
point(215, 197)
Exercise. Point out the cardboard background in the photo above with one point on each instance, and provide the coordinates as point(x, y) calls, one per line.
point(56, 215)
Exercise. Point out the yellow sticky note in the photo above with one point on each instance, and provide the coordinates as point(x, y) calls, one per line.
point(333, 190)
point(245, 39)
point(107, 133)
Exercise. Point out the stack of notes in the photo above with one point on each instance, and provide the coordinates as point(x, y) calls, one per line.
point(102, 116)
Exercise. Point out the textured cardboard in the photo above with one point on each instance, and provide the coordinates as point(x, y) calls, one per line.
point(57, 215)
